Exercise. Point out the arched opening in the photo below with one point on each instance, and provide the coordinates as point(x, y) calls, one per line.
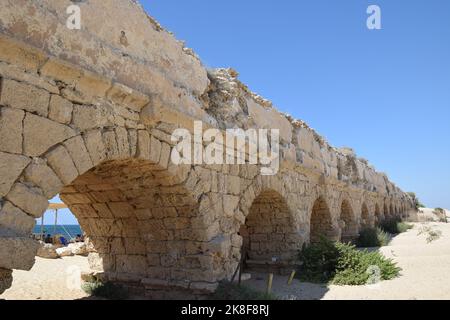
point(321, 224)
point(378, 214)
point(385, 211)
point(142, 223)
point(349, 227)
point(365, 216)
point(269, 233)
point(391, 210)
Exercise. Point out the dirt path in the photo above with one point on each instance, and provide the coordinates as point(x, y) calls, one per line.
point(425, 275)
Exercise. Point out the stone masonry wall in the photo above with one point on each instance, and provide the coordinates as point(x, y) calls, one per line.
point(88, 114)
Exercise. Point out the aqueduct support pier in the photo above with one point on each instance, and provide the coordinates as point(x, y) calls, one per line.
point(88, 114)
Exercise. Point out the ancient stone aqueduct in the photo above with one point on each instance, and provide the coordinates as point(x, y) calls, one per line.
point(88, 114)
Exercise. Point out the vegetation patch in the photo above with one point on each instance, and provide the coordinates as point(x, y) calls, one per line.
point(107, 290)
point(395, 225)
point(232, 291)
point(432, 234)
point(343, 264)
point(372, 237)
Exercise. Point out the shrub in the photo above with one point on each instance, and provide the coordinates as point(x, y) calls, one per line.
point(106, 290)
point(362, 267)
point(432, 234)
point(347, 265)
point(232, 291)
point(395, 226)
point(403, 227)
point(319, 261)
point(372, 237)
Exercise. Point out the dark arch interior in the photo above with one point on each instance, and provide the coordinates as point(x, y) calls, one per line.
point(350, 229)
point(321, 222)
point(378, 215)
point(269, 231)
point(141, 222)
point(365, 217)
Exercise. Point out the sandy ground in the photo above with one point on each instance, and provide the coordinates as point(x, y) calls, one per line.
point(425, 275)
point(49, 280)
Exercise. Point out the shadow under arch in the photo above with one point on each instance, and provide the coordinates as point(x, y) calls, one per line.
point(321, 222)
point(348, 222)
point(269, 234)
point(378, 215)
point(143, 223)
point(365, 216)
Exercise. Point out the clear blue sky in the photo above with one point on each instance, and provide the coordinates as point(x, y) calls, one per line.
point(385, 93)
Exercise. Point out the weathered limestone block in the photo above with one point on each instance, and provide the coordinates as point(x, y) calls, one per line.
point(80, 156)
point(89, 117)
point(81, 86)
point(40, 134)
point(29, 199)
point(204, 287)
point(17, 252)
point(61, 162)
point(123, 144)
point(270, 119)
point(24, 96)
point(11, 130)
point(15, 219)
point(121, 209)
point(230, 205)
point(47, 251)
point(78, 249)
point(29, 58)
point(110, 142)
point(44, 177)
point(60, 109)
point(95, 146)
point(64, 252)
point(11, 166)
point(15, 72)
point(123, 95)
point(134, 264)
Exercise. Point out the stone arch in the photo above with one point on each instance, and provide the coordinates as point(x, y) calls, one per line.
point(378, 214)
point(321, 221)
point(365, 216)
point(140, 224)
point(385, 210)
point(143, 215)
point(269, 230)
point(348, 222)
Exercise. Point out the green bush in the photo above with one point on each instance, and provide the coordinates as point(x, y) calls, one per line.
point(106, 290)
point(357, 267)
point(372, 237)
point(395, 225)
point(232, 291)
point(347, 265)
point(318, 261)
point(403, 227)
